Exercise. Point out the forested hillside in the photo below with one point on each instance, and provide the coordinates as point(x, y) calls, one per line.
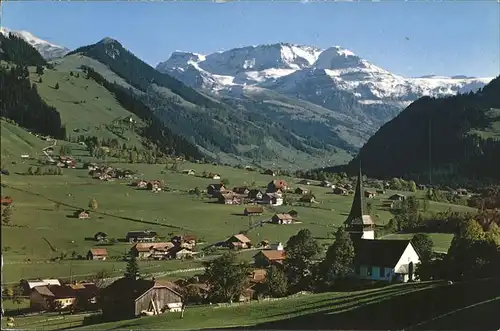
point(455, 136)
point(16, 50)
point(154, 130)
point(19, 101)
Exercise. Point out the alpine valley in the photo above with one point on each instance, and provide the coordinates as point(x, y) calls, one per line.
point(290, 105)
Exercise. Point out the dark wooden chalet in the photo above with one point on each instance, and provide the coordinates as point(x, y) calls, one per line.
point(128, 298)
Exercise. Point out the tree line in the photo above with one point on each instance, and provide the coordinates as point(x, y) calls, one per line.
point(21, 103)
point(154, 129)
point(16, 50)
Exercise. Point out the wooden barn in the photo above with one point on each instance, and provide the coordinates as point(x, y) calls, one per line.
point(128, 298)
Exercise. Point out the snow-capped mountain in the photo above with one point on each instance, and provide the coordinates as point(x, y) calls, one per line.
point(48, 50)
point(312, 74)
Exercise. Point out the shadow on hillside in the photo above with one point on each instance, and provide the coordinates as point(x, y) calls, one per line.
point(402, 309)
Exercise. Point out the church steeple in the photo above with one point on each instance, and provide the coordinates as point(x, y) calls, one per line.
point(358, 223)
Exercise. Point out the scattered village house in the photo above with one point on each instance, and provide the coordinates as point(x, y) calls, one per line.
point(97, 254)
point(82, 214)
point(100, 236)
point(272, 199)
point(269, 172)
point(241, 190)
point(141, 236)
point(326, 183)
point(214, 189)
point(152, 250)
point(385, 260)
point(253, 211)
point(155, 185)
point(238, 241)
point(282, 219)
point(277, 185)
point(126, 298)
point(397, 197)
point(269, 257)
point(28, 285)
point(370, 194)
point(140, 184)
point(305, 182)
point(340, 191)
point(189, 172)
point(228, 198)
point(86, 296)
point(52, 297)
point(293, 213)
point(255, 194)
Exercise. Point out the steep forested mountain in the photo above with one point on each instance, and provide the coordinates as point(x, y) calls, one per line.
point(154, 130)
point(19, 101)
point(454, 136)
point(16, 50)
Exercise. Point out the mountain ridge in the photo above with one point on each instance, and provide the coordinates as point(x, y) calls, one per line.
point(314, 74)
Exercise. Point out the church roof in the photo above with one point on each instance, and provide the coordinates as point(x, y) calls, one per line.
point(379, 252)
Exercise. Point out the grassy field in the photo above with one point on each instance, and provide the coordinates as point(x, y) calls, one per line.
point(38, 221)
point(412, 306)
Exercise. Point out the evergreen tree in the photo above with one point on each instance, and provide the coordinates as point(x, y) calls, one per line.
point(300, 251)
point(339, 259)
point(56, 86)
point(93, 204)
point(132, 269)
point(423, 245)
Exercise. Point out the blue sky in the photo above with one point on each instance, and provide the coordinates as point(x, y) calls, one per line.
point(444, 38)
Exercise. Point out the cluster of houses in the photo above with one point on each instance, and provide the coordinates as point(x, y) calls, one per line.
point(155, 185)
point(107, 173)
point(239, 195)
point(146, 246)
point(66, 162)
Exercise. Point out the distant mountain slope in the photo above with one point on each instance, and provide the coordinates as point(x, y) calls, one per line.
point(334, 78)
point(456, 136)
point(249, 125)
point(49, 51)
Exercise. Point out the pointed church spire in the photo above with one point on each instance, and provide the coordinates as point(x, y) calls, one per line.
point(358, 204)
point(358, 219)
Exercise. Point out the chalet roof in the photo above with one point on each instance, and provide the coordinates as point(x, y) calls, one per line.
point(255, 209)
point(99, 251)
point(43, 290)
point(216, 186)
point(39, 282)
point(242, 238)
point(283, 216)
point(61, 291)
point(279, 183)
point(273, 255)
point(357, 214)
point(146, 247)
point(379, 252)
point(127, 289)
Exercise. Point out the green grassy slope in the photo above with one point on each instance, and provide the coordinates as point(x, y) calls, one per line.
point(17, 141)
point(86, 107)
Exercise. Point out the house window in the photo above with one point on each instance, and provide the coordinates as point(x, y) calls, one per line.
point(381, 272)
point(369, 271)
